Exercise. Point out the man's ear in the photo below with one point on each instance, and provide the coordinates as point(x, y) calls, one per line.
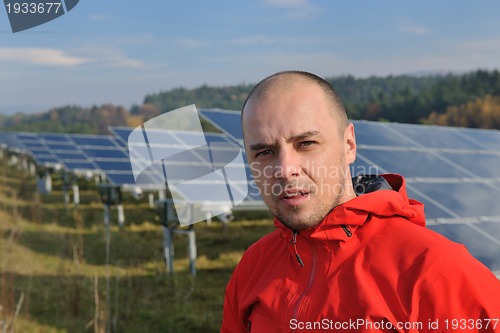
point(350, 144)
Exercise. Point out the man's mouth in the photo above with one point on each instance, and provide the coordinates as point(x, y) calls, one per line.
point(293, 194)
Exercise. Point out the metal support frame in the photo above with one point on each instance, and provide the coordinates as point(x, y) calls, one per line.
point(110, 196)
point(44, 182)
point(170, 227)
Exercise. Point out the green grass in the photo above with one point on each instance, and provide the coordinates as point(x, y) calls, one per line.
point(53, 265)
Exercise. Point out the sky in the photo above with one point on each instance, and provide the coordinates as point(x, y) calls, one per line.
point(118, 51)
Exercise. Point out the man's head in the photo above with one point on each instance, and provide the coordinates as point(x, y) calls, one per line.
point(299, 146)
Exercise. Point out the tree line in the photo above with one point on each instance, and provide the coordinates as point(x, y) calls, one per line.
point(468, 100)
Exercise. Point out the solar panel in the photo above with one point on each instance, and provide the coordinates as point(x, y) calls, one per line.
point(462, 198)
point(377, 134)
point(482, 164)
point(486, 139)
point(409, 163)
point(482, 247)
point(229, 122)
point(80, 154)
point(192, 163)
point(434, 136)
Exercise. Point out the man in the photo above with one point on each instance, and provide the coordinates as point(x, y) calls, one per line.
point(345, 257)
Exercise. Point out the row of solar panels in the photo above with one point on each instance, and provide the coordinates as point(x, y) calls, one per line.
point(109, 156)
point(453, 171)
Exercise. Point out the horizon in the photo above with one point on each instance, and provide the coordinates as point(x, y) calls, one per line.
point(33, 109)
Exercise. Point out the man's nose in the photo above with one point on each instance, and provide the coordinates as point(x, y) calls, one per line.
point(287, 166)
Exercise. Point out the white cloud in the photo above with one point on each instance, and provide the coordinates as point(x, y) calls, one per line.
point(40, 56)
point(109, 56)
point(105, 57)
point(412, 28)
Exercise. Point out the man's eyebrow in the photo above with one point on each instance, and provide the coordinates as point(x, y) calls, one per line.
point(260, 146)
point(301, 136)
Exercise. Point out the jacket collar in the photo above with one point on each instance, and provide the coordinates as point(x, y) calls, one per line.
point(383, 196)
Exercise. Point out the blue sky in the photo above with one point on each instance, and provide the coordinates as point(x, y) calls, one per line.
point(110, 51)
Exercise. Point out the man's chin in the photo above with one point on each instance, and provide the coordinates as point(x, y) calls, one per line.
point(299, 221)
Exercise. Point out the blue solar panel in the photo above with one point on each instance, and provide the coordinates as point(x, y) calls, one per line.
point(412, 163)
point(46, 160)
point(68, 147)
point(70, 156)
point(480, 246)
point(378, 134)
point(54, 137)
point(482, 165)
point(82, 166)
point(105, 153)
point(486, 139)
point(34, 145)
point(435, 136)
point(228, 122)
point(27, 136)
point(464, 199)
point(431, 207)
point(114, 166)
point(121, 134)
point(120, 179)
point(89, 140)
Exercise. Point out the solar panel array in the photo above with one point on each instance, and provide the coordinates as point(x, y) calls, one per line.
point(187, 163)
point(77, 153)
point(109, 157)
point(453, 171)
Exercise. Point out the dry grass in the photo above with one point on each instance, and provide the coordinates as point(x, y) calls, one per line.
point(53, 270)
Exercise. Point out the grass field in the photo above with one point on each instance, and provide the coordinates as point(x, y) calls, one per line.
point(54, 276)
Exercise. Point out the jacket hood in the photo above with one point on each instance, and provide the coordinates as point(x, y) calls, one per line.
point(383, 196)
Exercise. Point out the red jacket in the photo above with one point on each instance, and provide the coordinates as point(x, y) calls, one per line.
point(369, 266)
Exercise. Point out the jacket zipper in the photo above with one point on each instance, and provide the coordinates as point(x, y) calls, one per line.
point(346, 230)
point(293, 241)
point(311, 276)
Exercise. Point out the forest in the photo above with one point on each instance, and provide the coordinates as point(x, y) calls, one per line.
point(467, 100)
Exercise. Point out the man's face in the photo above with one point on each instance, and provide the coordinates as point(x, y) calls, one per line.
point(298, 158)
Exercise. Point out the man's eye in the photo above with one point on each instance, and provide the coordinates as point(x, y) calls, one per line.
point(306, 143)
point(263, 153)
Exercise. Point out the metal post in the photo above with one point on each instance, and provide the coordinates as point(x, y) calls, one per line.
point(192, 251)
point(108, 243)
point(65, 189)
point(151, 198)
point(121, 215)
point(161, 194)
point(168, 248)
point(76, 195)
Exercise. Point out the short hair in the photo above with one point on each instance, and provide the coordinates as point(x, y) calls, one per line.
point(266, 84)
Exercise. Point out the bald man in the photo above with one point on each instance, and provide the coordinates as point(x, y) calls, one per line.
point(341, 259)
